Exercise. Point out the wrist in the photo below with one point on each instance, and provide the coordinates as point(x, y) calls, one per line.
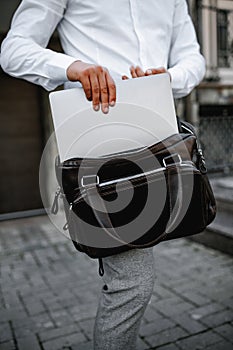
point(72, 70)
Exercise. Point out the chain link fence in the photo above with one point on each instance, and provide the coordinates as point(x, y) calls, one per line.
point(216, 136)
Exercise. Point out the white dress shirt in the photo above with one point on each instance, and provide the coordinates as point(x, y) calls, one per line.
point(112, 33)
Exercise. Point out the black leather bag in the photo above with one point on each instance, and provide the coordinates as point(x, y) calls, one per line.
point(170, 196)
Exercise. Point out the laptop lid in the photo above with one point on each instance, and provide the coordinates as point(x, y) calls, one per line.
point(144, 114)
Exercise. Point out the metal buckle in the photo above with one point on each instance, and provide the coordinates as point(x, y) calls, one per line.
point(86, 180)
point(172, 159)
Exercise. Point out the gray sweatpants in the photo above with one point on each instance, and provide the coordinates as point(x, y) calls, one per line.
point(129, 278)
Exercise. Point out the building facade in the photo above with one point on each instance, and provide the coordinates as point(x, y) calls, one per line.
point(210, 106)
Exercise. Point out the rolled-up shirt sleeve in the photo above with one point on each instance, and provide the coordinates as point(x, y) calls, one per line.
point(186, 64)
point(23, 52)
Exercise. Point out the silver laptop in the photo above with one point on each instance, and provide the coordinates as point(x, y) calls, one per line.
point(144, 114)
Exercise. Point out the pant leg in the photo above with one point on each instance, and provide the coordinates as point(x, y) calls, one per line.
point(129, 277)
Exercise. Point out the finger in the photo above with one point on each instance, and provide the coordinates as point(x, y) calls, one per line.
point(124, 77)
point(87, 87)
point(149, 72)
point(133, 72)
point(153, 71)
point(111, 89)
point(95, 90)
point(139, 72)
point(103, 90)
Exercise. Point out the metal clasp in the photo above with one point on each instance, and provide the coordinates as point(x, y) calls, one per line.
point(90, 180)
point(172, 159)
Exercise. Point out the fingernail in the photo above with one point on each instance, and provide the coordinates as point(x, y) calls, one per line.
point(112, 103)
point(105, 110)
point(149, 71)
point(96, 108)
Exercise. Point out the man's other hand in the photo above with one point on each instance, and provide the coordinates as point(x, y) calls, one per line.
point(137, 72)
point(97, 83)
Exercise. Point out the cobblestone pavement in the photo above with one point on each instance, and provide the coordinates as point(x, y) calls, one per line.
point(49, 293)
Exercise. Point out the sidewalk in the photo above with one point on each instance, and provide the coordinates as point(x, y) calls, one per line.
point(49, 293)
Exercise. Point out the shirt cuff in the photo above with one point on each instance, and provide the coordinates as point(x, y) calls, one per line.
point(57, 66)
point(178, 77)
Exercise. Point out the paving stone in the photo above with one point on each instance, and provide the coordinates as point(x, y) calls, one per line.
point(171, 306)
point(218, 318)
point(223, 345)
point(66, 341)
point(5, 332)
point(41, 320)
point(219, 292)
point(31, 325)
point(68, 302)
point(167, 347)
point(151, 314)
point(87, 327)
point(162, 291)
point(141, 345)
point(198, 313)
point(29, 259)
point(186, 322)
point(166, 336)
point(11, 299)
point(83, 346)
point(61, 318)
point(58, 332)
point(53, 305)
point(199, 341)
point(36, 281)
point(89, 311)
point(189, 286)
point(28, 343)
point(155, 327)
point(196, 298)
point(226, 331)
point(9, 345)
point(228, 302)
point(35, 307)
point(32, 292)
point(12, 313)
point(24, 331)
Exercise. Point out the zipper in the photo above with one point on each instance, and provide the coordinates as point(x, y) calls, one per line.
point(106, 186)
point(132, 177)
point(55, 208)
point(137, 176)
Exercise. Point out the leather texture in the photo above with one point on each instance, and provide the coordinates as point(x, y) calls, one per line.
point(176, 163)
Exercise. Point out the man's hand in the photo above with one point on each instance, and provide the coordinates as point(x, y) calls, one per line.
point(137, 72)
point(97, 83)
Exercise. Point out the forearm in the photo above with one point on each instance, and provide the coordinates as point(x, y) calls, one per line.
point(23, 58)
point(186, 64)
point(24, 53)
point(186, 75)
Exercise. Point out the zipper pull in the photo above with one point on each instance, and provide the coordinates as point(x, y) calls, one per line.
point(66, 225)
point(54, 208)
point(201, 162)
